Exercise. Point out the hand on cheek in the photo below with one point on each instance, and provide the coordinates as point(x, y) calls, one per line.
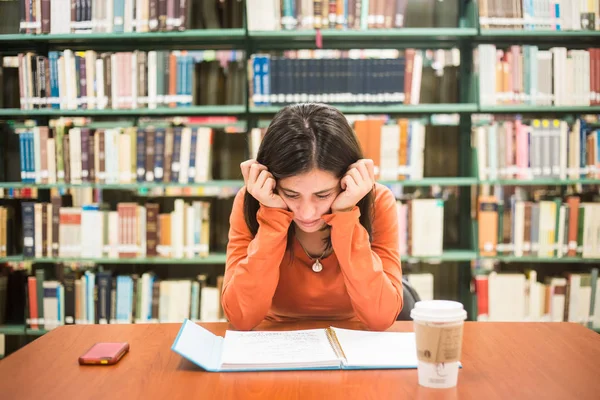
point(356, 183)
point(261, 184)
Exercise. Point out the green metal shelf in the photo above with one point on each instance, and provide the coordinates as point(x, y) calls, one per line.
point(214, 258)
point(345, 39)
point(126, 186)
point(447, 256)
point(432, 119)
point(549, 38)
point(189, 39)
point(544, 260)
point(236, 184)
point(35, 332)
point(464, 108)
point(536, 33)
point(220, 258)
point(12, 329)
point(441, 181)
point(532, 109)
point(234, 110)
point(540, 182)
point(41, 332)
point(11, 259)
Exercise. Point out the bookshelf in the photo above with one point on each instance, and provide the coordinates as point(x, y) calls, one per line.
point(441, 181)
point(577, 39)
point(546, 260)
point(189, 39)
point(527, 109)
point(418, 109)
point(127, 186)
point(540, 182)
point(214, 258)
point(12, 329)
point(349, 39)
point(229, 110)
point(447, 256)
point(465, 37)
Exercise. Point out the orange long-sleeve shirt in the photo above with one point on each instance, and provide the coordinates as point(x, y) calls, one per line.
point(359, 280)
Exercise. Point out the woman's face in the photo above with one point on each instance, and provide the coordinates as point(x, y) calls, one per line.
point(309, 196)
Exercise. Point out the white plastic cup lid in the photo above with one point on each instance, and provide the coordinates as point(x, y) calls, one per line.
point(438, 311)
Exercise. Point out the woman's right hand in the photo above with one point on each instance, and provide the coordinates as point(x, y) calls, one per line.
point(260, 183)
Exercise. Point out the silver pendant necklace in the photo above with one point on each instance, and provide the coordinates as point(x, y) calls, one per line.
point(317, 266)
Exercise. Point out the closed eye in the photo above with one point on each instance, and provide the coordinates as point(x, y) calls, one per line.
point(323, 196)
point(290, 196)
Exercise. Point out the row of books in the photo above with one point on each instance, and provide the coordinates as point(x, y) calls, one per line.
point(528, 75)
point(505, 149)
point(518, 297)
point(74, 155)
point(537, 148)
point(273, 15)
point(60, 16)
point(540, 15)
point(118, 16)
point(132, 230)
point(344, 77)
point(45, 300)
point(421, 227)
point(96, 296)
point(549, 226)
point(396, 146)
point(71, 80)
point(101, 297)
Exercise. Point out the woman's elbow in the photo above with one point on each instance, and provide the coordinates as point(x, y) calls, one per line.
point(241, 324)
point(384, 319)
point(241, 320)
point(379, 323)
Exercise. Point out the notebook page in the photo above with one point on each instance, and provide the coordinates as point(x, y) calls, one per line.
point(378, 349)
point(287, 348)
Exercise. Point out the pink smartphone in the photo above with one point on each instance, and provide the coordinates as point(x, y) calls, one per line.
point(104, 354)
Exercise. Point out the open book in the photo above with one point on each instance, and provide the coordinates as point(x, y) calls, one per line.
point(331, 348)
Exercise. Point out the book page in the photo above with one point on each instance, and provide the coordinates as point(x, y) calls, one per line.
point(199, 345)
point(287, 348)
point(378, 349)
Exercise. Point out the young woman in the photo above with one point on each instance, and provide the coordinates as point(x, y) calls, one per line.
point(312, 235)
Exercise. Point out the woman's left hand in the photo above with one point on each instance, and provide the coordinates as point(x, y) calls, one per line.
point(356, 183)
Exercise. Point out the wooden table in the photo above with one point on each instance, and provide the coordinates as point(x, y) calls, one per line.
point(500, 361)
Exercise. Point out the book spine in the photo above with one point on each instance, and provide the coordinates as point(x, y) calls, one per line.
point(150, 149)
point(159, 157)
point(28, 229)
point(103, 309)
point(45, 17)
point(175, 165)
point(153, 16)
point(69, 285)
point(85, 154)
point(140, 155)
point(101, 156)
point(56, 205)
point(91, 157)
point(151, 229)
point(162, 15)
point(192, 170)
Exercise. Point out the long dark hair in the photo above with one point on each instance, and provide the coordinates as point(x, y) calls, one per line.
point(302, 137)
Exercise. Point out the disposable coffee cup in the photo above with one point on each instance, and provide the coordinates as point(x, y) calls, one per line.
point(439, 334)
